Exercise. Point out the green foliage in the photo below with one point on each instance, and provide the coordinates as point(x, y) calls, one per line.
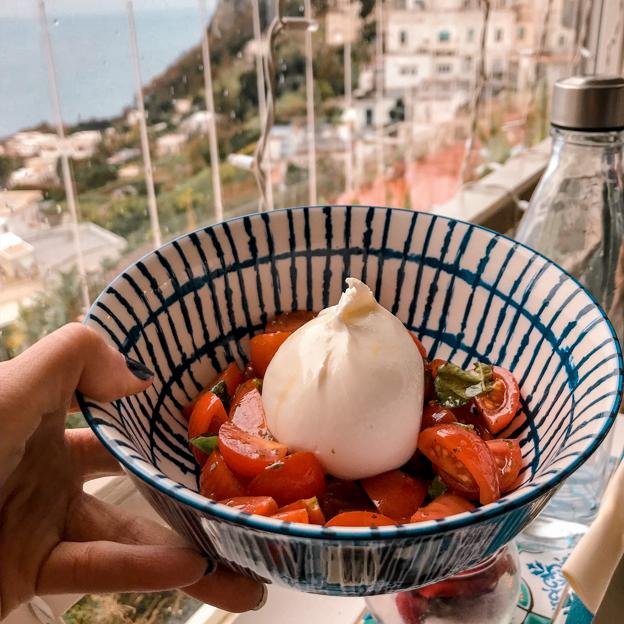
point(7, 165)
point(90, 173)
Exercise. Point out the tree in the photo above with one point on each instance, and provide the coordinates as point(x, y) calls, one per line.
point(7, 166)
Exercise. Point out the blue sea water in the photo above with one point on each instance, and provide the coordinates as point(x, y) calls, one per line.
point(92, 55)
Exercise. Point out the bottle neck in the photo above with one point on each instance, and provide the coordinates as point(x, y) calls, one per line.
point(613, 139)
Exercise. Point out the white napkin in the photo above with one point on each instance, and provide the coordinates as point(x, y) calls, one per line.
point(594, 560)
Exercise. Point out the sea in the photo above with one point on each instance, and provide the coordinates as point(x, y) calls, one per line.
point(92, 57)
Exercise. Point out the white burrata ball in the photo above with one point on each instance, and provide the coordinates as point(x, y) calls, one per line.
point(348, 387)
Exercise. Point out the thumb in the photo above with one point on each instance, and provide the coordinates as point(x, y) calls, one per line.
point(44, 378)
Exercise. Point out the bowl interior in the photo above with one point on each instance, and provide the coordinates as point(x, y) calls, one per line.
point(470, 294)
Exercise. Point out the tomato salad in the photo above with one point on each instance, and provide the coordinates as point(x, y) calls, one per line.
point(459, 462)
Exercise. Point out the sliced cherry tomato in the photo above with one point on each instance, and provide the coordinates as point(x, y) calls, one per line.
point(429, 389)
point(436, 414)
point(434, 365)
point(247, 454)
point(292, 515)
point(297, 476)
point(466, 487)
point(207, 417)
point(419, 345)
point(263, 347)
point(247, 410)
point(468, 415)
point(464, 456)
point(217, 481)
point(360, 519)
point(500, 404)
point(311, 505)
point(231, 376)
point(395, 493)
point(261, 505)
point(289, 321)
point(249, 372)
point(342, 496)
point(508, 458)
point(441, 507)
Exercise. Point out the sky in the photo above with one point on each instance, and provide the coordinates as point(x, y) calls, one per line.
point(28, 8)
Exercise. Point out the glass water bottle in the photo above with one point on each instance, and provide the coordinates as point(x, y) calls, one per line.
point(576, 218)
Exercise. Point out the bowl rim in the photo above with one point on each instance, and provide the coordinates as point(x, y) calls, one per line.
point(502, 506)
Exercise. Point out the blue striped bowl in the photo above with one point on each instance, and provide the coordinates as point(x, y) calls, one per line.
point(470, 294)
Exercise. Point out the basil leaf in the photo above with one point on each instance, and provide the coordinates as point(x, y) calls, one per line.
point(220, 389)
point(206, 444)
point(436, 487)
point(454, 386)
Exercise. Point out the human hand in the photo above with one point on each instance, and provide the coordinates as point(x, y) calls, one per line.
point(54, 538)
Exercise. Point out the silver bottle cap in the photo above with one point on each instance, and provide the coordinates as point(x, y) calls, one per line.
point(588, 103)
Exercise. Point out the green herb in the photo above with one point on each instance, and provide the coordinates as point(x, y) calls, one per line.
point(258, 383)
point(220, 389)
point(206, 444)
point(454, 386)
point(436, 487)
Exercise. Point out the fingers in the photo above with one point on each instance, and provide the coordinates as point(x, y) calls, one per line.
point(89, 567)
point(43, 378)
point(89, 458)
point(228, 590)
point(92, 519)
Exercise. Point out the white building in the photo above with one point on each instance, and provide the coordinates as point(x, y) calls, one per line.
point(197, 123)
point(17, 257)
point(170, 144)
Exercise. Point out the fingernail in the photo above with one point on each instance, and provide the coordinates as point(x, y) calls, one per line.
point(265, 595)
point(211, 567)
point(138, 369)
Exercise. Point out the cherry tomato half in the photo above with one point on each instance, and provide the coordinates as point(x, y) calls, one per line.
point(289, 321)
point(261, 505)
point(360, 519)
point(292, 515)
point(508, 458)
point(232, 376)
point(444, 505)
point(296, 476)
point(342, 496)
point(311, 505)
point(419, 346)
point(468, 415)
point(395, 493)
point(247, 454)
point(464, 456)
point(207, 417)
point(499, 405)
point(263, 347)
point(217, 481)
point(436, 414)
point(247, 409)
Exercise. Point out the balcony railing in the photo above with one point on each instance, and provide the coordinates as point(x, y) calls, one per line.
point(456, 142)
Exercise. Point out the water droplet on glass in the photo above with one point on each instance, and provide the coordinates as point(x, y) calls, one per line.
point(226, 92)
point(56, 22)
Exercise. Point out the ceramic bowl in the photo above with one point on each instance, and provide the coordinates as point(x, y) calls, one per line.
point(190, 307)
